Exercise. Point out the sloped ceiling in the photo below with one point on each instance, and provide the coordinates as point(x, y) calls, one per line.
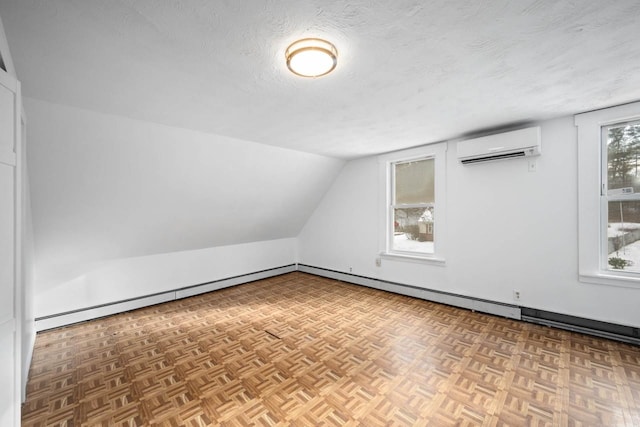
point(105, 188)
point(410, 72)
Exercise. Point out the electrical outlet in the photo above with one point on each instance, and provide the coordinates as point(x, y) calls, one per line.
point(516, 295)
point(350, 270)
point(378, 262)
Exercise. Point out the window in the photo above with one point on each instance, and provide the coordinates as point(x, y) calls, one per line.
point(609, 195)
point(413, 214)
point(621, 197)
point(412, 206)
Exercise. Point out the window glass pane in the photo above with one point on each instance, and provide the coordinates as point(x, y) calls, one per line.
point(623, 236)
point(413, 229)
point(623, 163)
point(414, 182)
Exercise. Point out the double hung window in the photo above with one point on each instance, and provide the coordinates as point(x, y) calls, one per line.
point(412, 189)
point(609, 195)
point(413, 206)
point(620, 197)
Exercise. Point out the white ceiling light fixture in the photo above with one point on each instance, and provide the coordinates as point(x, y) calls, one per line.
point(311, 57)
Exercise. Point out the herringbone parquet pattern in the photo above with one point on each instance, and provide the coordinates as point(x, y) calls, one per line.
point(302, 350)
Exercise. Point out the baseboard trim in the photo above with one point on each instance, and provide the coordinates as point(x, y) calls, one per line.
point(81, 315)
point(611, 331)
point(470, 303)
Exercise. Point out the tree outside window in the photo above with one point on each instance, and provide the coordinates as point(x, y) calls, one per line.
point(621, 193)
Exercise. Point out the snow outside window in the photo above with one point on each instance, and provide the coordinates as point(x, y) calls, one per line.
point(609, 195)
point(621, 196)
point(413, 206)
point(413, 215)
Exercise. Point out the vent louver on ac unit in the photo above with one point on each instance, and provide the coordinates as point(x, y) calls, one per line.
point(507, 145)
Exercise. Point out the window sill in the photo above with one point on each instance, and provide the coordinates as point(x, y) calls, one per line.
point(413, 258)
point(611, 279)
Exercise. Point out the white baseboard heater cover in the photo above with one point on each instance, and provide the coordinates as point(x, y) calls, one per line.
point(591, 327)
point(484, 306)
point(90, 313)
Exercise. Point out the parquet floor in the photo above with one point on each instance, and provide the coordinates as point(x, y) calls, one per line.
point(303, 350)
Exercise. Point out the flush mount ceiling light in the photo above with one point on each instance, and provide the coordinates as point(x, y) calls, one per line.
point(311, 57)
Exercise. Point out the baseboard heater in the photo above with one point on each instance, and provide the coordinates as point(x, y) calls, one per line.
point(611, 331)
point(470, 303)
point(597, 328)
point(81, 315)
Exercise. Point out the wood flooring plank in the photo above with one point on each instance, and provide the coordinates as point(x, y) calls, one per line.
point(302, 350)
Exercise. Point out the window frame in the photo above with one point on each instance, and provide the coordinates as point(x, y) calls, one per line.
point(393, 205)
point(386, 187)
point(593, 197)
point(606, 198)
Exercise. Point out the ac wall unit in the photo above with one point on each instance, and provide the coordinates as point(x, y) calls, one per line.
point(507, 145)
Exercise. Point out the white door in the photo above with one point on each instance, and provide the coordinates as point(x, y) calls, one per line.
point(10, 345)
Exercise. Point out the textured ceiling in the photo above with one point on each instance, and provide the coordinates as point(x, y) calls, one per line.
point(409, 72)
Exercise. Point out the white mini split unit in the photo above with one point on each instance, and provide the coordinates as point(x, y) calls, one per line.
point(507, 145)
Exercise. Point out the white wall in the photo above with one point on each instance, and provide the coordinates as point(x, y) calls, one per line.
point(123, 208)
point(507, 229)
